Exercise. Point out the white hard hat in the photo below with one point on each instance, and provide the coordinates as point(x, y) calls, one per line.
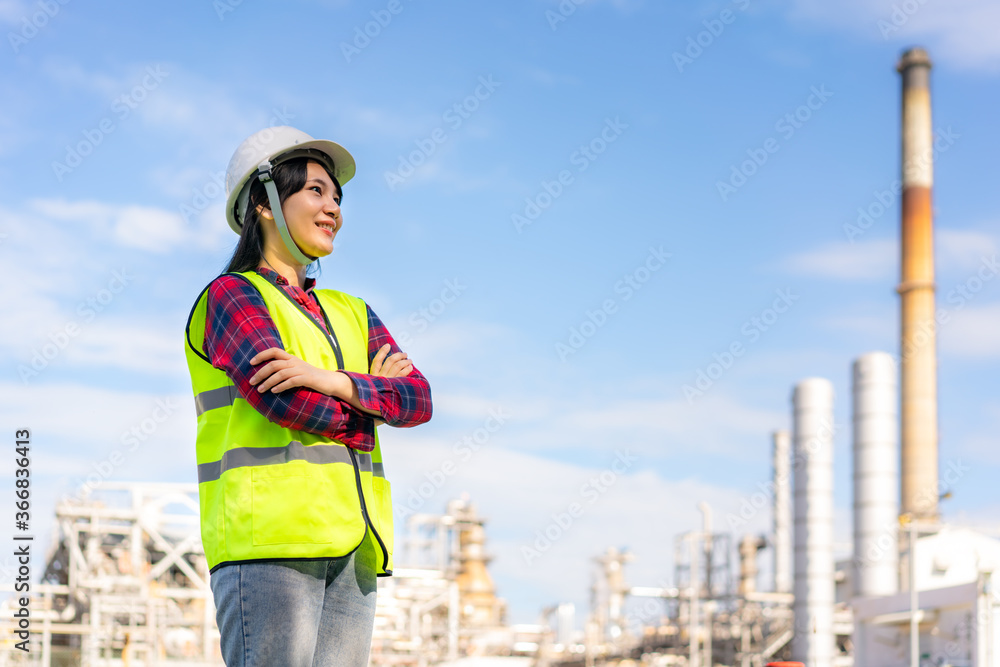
point(268, 148)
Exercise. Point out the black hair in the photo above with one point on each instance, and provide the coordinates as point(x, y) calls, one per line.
point(289, 177)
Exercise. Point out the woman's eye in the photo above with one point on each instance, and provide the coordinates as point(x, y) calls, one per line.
point(317, 189)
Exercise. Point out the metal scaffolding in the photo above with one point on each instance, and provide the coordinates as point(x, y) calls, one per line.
point(125, 583)
point(705, 620)
point(440, 605)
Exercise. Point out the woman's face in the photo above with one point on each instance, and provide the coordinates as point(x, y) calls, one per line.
point(313, 213)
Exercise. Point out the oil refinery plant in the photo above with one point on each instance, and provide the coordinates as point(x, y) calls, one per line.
point(126, 582)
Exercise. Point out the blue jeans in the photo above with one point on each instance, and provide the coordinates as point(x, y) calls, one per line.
point(297, 613)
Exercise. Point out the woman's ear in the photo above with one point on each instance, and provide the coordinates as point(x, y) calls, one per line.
point(264, 212)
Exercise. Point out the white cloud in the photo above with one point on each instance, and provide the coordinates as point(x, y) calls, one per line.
point(206, 116)
point(445, 347)
point(81, 424)
point(657, 427)
point(547, 418)
point(89, 262)
point(982, 448)
point(864, 260)
point(96, 215)
point(972, 333)
point(70, 74)
point(960, 32)
point(549, 78)
point(525, 496)
point(150, 229)
point(455, 179)
point(956, 251)
point(146, 228)
point(464, 405)
point(195, 185)
point(872, 326)
point(211, 121)
point(962, 250)
point(368, 122)
point(88, 340)
point(568, 426)
point(12, 11)
point(85, 435)
point(60, 257)
point(121, 343)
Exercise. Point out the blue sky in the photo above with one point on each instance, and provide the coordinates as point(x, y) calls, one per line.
point(520, 177)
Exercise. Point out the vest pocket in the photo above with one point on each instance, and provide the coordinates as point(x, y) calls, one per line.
point(292, 504)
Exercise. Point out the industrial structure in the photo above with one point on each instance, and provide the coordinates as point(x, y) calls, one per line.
point(126, 583)
point(441, 605)
point(922, 590)
point(918, 339)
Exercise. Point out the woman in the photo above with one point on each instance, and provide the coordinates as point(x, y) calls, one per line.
point(289, 384)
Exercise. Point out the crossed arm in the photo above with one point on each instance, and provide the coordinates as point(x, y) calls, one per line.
point(344, 406)
point(287, 371)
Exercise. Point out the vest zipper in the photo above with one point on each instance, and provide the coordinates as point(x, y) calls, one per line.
point(330, 335)
point(364, 511)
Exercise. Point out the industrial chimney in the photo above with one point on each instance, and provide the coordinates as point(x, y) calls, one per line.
point(876, 471)
point(812, 433)
point(782, 512)
point(918, 353)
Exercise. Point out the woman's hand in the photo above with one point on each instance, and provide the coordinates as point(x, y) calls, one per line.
point(286, 371)
point(393, 366)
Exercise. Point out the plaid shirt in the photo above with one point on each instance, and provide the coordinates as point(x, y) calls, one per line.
point(238, 327)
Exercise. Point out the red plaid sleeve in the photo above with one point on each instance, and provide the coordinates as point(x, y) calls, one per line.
point(401, 401)
point(238, 327)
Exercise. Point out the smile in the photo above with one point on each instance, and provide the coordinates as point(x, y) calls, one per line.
point(327, 227)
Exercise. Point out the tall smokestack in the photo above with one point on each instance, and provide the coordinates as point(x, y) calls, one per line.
point(813, 643)
point(918, 378)
point(782, 512)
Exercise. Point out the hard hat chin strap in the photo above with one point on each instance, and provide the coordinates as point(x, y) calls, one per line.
point(264, 174)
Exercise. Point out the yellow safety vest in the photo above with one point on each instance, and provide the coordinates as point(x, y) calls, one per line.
point(268, 492)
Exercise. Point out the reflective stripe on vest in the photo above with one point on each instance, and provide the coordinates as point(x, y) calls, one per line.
point(215, 398)
point(293, 451)
point(268, 492)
